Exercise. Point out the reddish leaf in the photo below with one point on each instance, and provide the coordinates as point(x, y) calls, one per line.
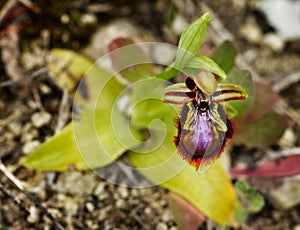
point(186, 216)
point(264, 100)
point(271, 168)
point(262, 132)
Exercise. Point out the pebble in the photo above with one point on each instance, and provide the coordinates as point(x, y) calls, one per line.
point(251, 31)
point(45, 89)
point(75, 183)
point(161, 226)
point(87, 19)
point(40, 119)
point(33, 214)
point(163, 53)
point(28, 133)
point(30, 146)
point(249, 55)
point(99, 189)
point(89, 206)
point(104, 212)
point(288, 139)
point(286, 195)
point(15, 128)
point(148, 211)
point(179, 24)
point(166, 217)
point(274, 41)
point(121, 204)
point(297, 227)
point(123, 192)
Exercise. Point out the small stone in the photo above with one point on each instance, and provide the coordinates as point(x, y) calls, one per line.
point(28, 133)
point(249, 55)
point(251, 31)
point(134, 192)
point(104, 212)
point(65, 19)
point(90, 207)
point(33, 214)
point(123, 192)
point(120, 203)
point(297, 227)
point(45, 89)
point(288, 139)
point(148, 211)
point(75, 183)
point(166, 217)
point(40, 119)
point(99, 189)
point(179, 24)
point(55, 213)
point(161, 226)
point(286, 195)
point(163, 53)
point(274, 41)
point(30, 146)
point(15, 128)
point(88, 19)
point(71, 205)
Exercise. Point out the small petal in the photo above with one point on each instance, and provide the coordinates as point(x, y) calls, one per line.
point(178, 94)
point(206, 81)
point(229, 92)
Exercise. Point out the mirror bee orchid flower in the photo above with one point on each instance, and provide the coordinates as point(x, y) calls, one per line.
point(203, 126)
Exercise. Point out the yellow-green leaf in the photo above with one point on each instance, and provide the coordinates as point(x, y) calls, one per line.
point(67, 67)
point(211, 193)
point(200, 62)
point(191, 40)
point(97, 137)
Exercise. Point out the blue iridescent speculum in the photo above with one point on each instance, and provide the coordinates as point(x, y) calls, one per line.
point(203, 126)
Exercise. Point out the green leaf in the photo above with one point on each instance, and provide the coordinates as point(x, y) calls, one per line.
point(58, 154)
point(230, 111)
point(211, 193)
point(147, 104)
point(168, 72)
point(100, 134)
point(199, 63)
point(262, 132)
point(225, 55)
point(240, 214)
point(250, 198)
point(191, 40)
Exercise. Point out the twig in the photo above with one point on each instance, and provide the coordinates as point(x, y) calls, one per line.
point(285, 81)
point(21, 187)
point(63, 111)
point(5, 8)
point(25, 77)
point(13, 198)
point(37, 98)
